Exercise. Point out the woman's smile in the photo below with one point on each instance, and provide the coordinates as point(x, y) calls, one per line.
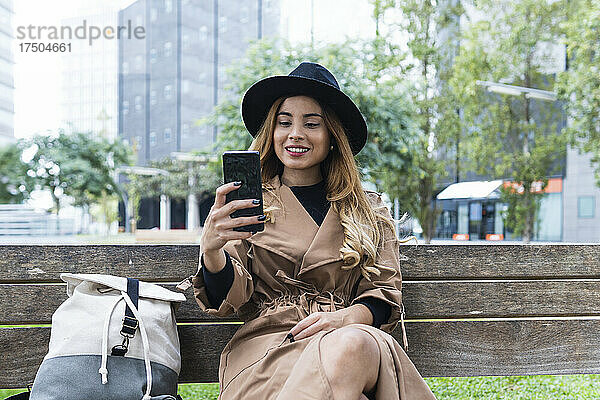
point(297, 151)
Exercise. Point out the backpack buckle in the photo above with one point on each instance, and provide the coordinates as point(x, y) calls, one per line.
point(129, 327)
point(120, 349)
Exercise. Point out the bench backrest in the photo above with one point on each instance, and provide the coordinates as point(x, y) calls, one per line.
point(471, 309)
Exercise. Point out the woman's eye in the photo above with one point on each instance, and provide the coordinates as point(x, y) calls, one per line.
point(285, 123)
point(312, 124)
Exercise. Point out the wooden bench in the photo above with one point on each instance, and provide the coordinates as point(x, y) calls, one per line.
point(472, 310)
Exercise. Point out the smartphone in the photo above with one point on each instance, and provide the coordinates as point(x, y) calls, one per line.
point(244, 166)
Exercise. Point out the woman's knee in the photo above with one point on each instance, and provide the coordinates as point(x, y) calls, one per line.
point(351, 342)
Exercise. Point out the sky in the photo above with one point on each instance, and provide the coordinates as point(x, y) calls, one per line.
point(37, 75)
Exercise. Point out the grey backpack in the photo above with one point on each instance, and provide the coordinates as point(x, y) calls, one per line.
point(113, 339)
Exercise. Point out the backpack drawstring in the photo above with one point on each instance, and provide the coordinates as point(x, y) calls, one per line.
point(145, 345)
point(103, 370)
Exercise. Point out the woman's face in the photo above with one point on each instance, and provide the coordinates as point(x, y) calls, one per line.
point(300, 138)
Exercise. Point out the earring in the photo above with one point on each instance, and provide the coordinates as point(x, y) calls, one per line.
point(331, 148)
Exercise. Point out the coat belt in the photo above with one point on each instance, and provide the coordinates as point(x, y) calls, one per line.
point(310, 298)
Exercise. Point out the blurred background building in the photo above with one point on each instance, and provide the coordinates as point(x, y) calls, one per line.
point(7, 110)
point(88, 100)
point(177, 74)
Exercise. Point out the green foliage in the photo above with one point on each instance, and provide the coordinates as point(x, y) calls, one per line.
point(76, 165)
point(512, 137)
point(15, 184)
point(579, 85)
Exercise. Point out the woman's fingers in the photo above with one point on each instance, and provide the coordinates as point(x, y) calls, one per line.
point(240, 221)
point(234, 205)
point(222, 191)
point(297, 330)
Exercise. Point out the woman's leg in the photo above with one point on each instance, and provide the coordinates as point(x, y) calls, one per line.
point(350, 358)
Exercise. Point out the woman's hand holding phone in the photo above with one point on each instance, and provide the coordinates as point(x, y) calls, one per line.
point(218, 227)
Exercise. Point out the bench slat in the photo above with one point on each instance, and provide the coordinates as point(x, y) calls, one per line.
point(440, 348)
point(45, 263)
point(501, 261)
point(171, 263)
point(423, 300)
point(21, 304)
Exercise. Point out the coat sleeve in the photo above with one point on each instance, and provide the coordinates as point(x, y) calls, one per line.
point(388, 285)
point(242, 287)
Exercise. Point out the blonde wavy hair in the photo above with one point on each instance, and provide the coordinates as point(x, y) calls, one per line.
point(364, 227)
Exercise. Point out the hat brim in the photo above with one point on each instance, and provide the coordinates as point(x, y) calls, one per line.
point(259, 97)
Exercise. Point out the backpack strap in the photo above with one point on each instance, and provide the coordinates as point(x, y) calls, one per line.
point(130, 323)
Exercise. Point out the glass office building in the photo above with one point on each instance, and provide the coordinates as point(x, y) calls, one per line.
point(6, 73)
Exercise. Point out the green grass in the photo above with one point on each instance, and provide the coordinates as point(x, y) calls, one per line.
point(567, 387)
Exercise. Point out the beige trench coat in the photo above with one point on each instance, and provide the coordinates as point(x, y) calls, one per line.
point(282, 275)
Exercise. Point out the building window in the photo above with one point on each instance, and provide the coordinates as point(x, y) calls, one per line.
point(168, 92)
point(138, 103)
point(125, 107)
point(153, 14)
point(125, 67)
point(139, 62)
point(223, 24)
point(139, 20)
point(168, 47)
point(203, 33)
point(137, 142)
point(185, 41)
point(152, 139)
point(152, 56)
point(185, 86)
point(585, 206)
point(168, 6)
point(244, 15)
point(167, 135)
point(185, 130)
point(153, 99)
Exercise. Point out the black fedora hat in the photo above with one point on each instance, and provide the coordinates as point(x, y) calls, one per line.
point(308, 79)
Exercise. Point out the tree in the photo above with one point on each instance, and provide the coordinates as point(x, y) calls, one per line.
point(435, 129)
point(15, 184)
point(78, 166)
point(515, 137)
point(579, 85)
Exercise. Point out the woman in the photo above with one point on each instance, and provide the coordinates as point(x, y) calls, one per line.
point(323, 276)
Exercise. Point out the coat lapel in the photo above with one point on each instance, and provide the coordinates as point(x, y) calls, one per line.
point(295, 236)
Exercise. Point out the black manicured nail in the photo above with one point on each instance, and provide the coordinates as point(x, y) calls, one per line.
point(237, 183)
point(261, 218)
point(291, 337)
point(255, 201)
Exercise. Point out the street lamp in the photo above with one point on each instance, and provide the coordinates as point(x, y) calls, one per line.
point(513, 90)
point(135, 170)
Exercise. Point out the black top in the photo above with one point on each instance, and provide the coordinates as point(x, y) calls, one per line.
point(313, 198)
